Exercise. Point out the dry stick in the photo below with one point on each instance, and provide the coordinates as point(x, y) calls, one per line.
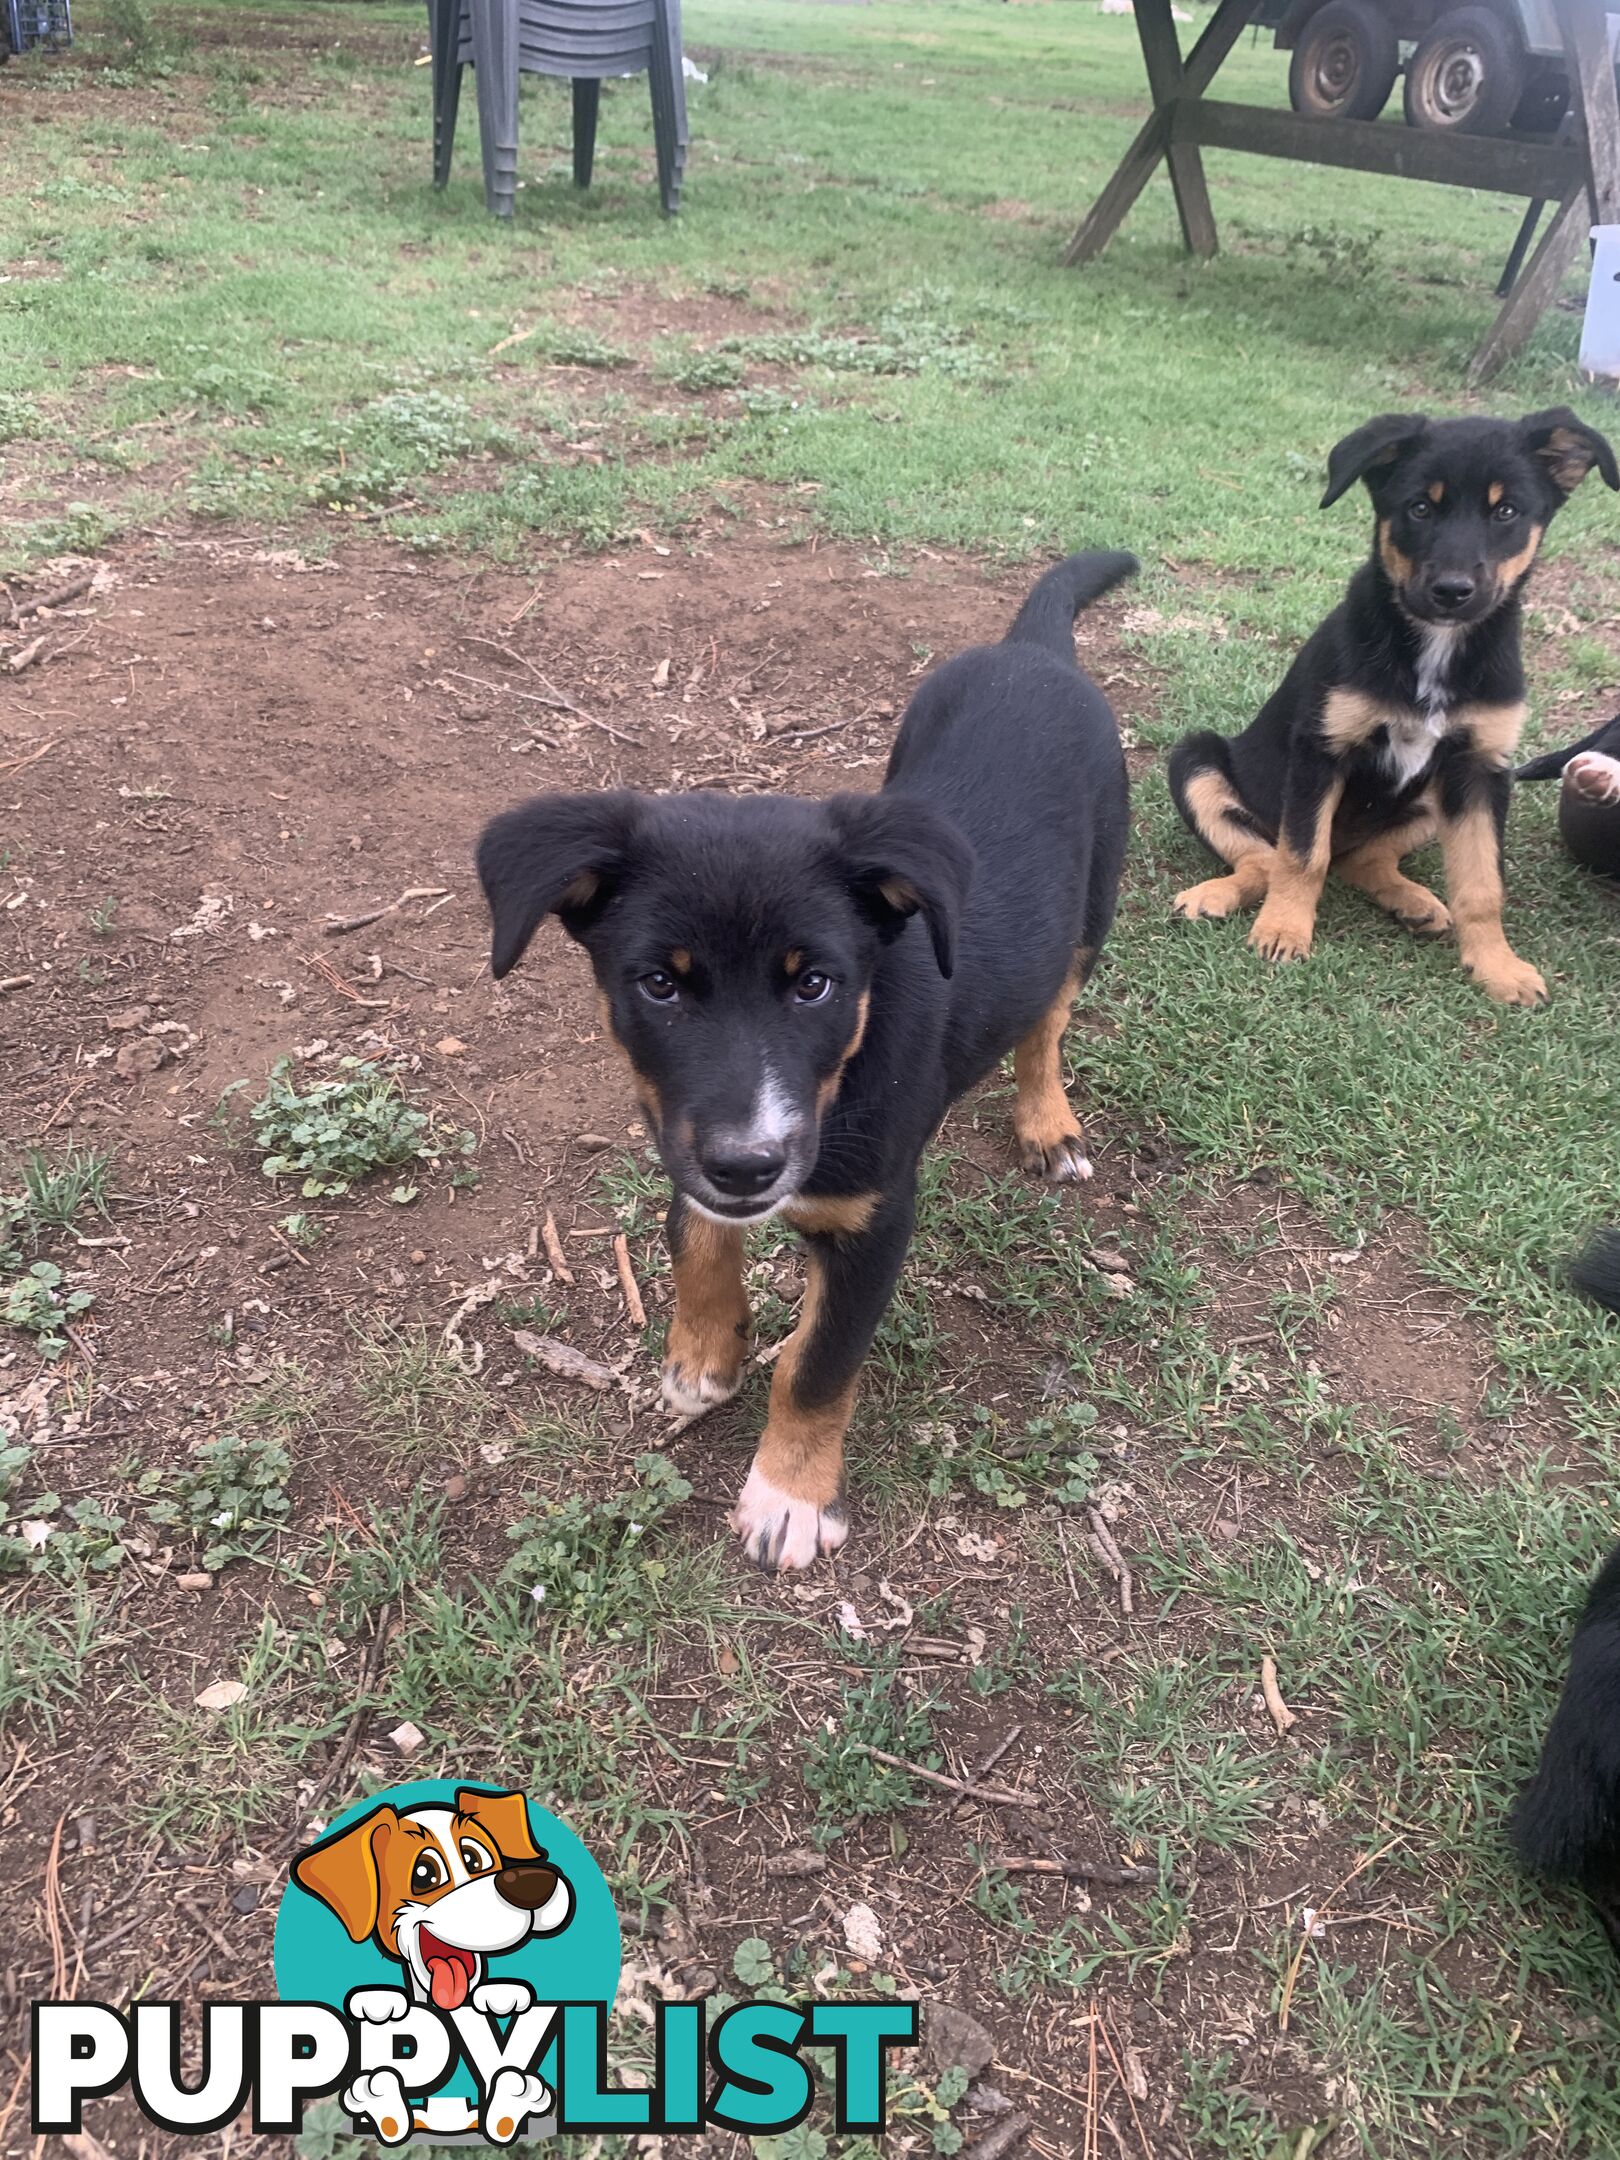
point(1112, 1559)
point(21, 764)
point(1366, 1861)
point(1281, 1716)
point(15, 982)
point(301, 1258)
point(553, 697)
point(1007, 1740)
point(1106, 1872)
point(26, 655)
point(59, 596)
point(351, 1732)
point(627, 1281)
point(53, 1917)
point(335, 926)
point(556, 1258)
point(994, 1795)
point(1091, 2086)
point(320, 965)
point(1130, 2097)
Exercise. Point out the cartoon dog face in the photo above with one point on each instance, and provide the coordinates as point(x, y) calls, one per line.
point(442, 1889)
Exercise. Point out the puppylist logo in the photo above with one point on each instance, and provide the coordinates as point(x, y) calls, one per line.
point(446, 1958)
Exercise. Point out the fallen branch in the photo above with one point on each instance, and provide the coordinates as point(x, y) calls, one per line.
point(992, 1795)
point(556, 1258)
point(336, 926)
point(26, 655)
point(58, 596)
point(627, 1281)
point(1281, 1716)
point(565, 1361)
point(1112, 1559)
point(1107, 1872)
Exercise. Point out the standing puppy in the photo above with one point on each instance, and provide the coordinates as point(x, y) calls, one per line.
point(1401, 713)
point(802, 989)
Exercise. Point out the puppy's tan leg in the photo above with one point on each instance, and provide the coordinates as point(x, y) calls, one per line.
point(791, 1509)
point(1375, 869)
point(1219, 818)
point(1048, 1132)
point(1286, 924)
point(1471, 841)
point(708, 1337)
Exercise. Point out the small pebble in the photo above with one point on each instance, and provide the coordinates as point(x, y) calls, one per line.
point(418, 1258)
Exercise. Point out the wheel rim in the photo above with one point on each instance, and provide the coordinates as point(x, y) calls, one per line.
point(1335, 69)
point(1456, 80)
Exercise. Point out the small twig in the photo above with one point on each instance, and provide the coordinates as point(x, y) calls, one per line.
point(1366, 1861)
point(627, 1281)
point(351, 1732)
point(58, 596)
point(21, 764)
point(516, 338)
point(26, 655)
point(1281, 1716)
point(992, 1795)
point(15, 982)
point(336, 926)
point(1112, 1559)
point(301, 1258)
point(323, 967)
point(556, 1258)
point(1008, 1739)
point(1107, 1872)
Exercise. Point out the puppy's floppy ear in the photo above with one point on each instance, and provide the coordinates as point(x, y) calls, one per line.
point(554, 854)
point(343, 1871)
point(902, 856)
point(505, 1816)
point(1380, 442)
point(1568, 448)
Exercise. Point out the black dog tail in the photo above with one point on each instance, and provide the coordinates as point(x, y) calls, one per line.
point(1597, 1270)
point(1552, 762)
point(1567, 1821)
point(1047, 616)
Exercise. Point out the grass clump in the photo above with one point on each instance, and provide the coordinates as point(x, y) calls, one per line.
point(230, 1501)
point(597, 1564)
point(846, 1781)
point(336, 1133)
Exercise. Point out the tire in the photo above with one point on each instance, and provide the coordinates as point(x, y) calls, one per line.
point(1345, 62)
point(1467, 76)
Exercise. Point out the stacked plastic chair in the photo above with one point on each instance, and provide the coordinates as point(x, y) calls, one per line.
point(584, 40)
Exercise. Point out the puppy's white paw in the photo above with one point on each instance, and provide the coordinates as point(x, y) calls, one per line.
point(378, 2098)
point(778, 1531)
point(692, 1394)
point(513, 2097)
point(378, 2006)
point(502, 1998)
point(1594, 776)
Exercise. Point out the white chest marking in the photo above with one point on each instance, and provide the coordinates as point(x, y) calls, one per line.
point(1414, 736)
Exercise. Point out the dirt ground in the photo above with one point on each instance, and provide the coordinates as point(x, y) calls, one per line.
point(238, 747)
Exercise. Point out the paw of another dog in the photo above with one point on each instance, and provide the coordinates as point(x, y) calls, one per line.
point(1062, 1162)
point(1594, 776)
point(692, 1394)
point(779, 1531)
point(1215, 899)
point(514, 2095)
point(502, 1998)
point(379, 2098)
point(1280, 938)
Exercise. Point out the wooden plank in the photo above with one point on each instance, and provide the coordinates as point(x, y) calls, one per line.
point(1536, 290)
point(1132, 175)
point(1161, 50)
point(1137, 166)
point(1504, 167)
point(1597, 111)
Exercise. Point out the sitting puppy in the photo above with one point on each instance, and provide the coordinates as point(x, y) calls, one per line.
point(1567, 1822)
point(1589, 804)
point(802, 989)
point(1401, 712)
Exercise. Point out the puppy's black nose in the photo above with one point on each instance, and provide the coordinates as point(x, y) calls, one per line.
point(1452, 593)
point(527, 1884)
point(742, 1172)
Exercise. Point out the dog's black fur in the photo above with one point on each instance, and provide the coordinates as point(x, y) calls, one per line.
point(1567, 1822)
point(1588, 820)
point(1401, 712)
point(803, 988)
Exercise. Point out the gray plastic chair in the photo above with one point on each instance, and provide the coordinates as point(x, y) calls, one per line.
point(583, 40)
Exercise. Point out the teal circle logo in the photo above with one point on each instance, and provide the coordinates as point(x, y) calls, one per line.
point(449, 1898)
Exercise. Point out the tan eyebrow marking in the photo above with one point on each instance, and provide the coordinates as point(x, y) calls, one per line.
point(681, 960)
point(1437, 491)
point(1496, 491)
point(794, 961)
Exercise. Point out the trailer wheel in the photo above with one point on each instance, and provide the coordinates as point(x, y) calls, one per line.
point(1344, 64)
point(1467, 76)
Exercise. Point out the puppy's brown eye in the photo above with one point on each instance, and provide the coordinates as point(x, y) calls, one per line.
point(427, 1874)
point(1422, 508)
point(474, 1858)
point(811, 987)
point(658, 986)
point(1504, 513)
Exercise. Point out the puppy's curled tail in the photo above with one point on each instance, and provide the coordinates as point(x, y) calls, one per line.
point(1201, 752)
point(1597, 1269)
point(1552, 762)
point(1047, 616)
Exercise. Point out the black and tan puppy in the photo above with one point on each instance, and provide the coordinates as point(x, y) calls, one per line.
point(1401, 713)
point(803, 988)
point(1589, 800)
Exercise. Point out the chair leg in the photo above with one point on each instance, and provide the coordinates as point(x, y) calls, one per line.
point(446, 46)
point(668, 88)
point(495, 65)
point(587, 102)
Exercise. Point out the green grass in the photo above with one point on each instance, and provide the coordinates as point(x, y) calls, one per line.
point(249, 306)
